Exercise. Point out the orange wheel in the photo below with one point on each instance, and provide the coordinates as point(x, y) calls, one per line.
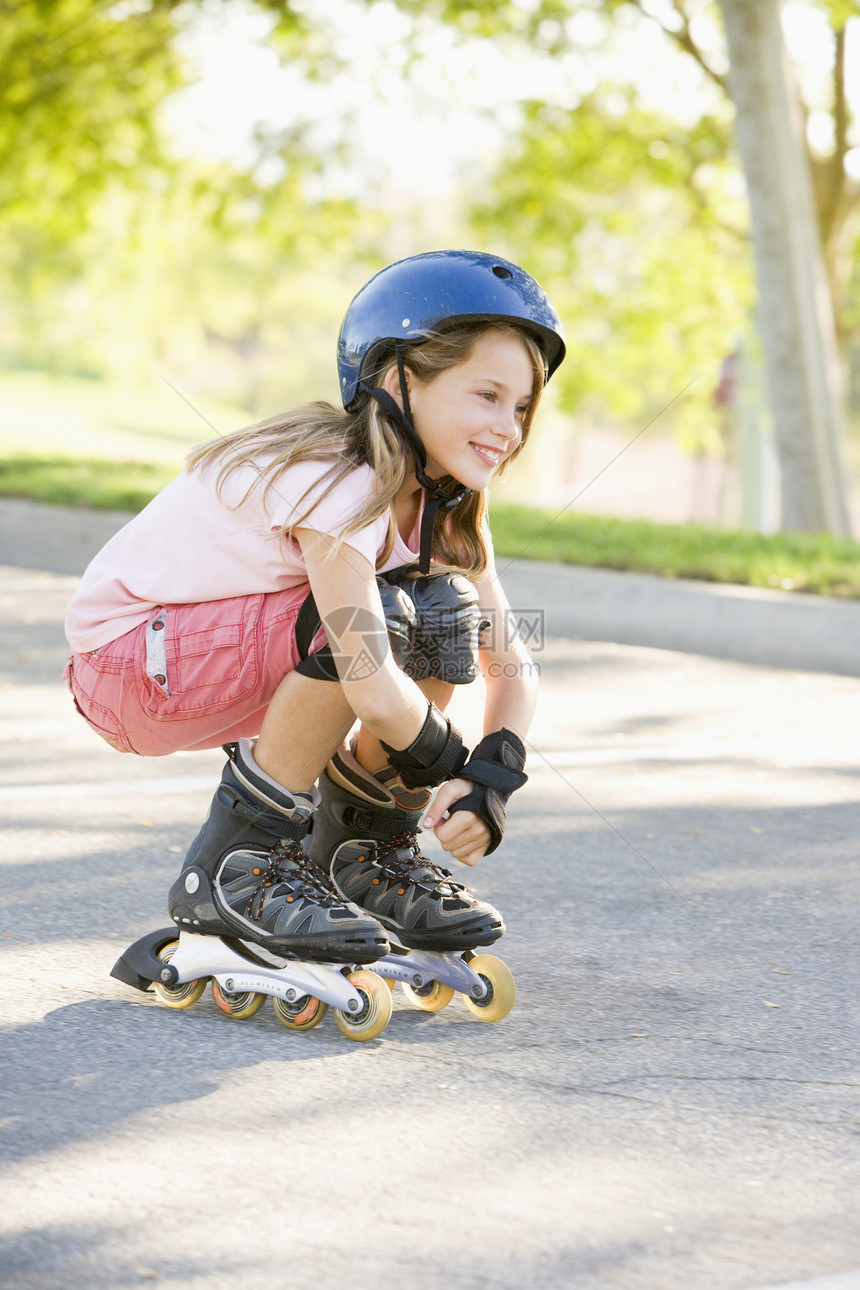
point(375, 1012)
point(239, 1004)
point(302, 1014)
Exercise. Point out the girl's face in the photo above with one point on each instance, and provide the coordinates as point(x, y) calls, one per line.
point(470, 417)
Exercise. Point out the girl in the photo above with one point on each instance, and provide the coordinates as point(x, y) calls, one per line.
point(328, 566)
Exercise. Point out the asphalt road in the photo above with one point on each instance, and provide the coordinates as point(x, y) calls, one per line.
point(673, 1104)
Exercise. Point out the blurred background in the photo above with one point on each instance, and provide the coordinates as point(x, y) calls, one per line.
point(190, 194)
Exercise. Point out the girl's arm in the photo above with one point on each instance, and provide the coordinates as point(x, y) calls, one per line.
point(511, 695)
point(510, 675)
point(383, 698)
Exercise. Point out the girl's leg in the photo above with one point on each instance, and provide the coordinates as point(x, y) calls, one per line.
point(304, 724)
point(369, 752)
point(246, 872)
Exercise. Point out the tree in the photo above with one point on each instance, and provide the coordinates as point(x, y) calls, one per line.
point(78, 95)
point(836, 193)
point(112, 248)
point(819, 202)
point(795, 304)
point(81, 92)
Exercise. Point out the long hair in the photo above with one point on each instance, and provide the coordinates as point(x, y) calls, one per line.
point(319, 431)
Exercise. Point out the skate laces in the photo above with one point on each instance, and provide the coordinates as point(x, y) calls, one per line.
point(289, 867)
point(400, 857)
point(292, 863)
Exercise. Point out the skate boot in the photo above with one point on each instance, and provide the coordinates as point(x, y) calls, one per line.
point(259, 920)
point(246, 875)
point(366, 835)
point(366, 828)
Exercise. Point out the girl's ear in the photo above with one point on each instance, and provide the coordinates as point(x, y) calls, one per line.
point(391, 383)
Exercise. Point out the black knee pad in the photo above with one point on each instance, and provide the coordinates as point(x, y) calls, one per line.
point(439, 638)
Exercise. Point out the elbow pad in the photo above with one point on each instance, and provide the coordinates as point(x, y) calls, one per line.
point(436, 755)
point(496, 770)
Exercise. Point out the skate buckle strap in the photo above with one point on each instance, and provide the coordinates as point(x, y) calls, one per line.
point(276, 825)
point(372, 823)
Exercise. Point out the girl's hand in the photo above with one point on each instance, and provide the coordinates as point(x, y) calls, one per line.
point(464, 835)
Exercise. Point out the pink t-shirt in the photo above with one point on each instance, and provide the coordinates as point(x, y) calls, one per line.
point(189, 546)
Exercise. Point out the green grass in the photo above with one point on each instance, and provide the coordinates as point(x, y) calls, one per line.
point(43, 415)
point(811, 562)
point(102, 485)
point(791, 562)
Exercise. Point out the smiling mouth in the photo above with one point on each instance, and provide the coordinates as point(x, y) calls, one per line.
point(488, 455)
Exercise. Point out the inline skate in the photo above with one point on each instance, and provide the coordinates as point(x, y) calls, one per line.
point(365, 835)
point(258, 918)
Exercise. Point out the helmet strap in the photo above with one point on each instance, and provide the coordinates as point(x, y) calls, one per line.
point(436, 498)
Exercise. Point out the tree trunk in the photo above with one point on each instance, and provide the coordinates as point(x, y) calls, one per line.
point(795, 310)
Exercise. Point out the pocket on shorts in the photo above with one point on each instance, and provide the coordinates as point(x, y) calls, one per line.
point(202, 656)
point(94, 681)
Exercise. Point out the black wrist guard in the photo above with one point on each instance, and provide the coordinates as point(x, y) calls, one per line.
point(496, 770)
point(436, 755)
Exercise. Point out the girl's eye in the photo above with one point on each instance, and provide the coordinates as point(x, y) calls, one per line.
point(490, 395)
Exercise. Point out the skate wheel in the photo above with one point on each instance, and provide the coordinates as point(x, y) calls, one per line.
point(431, 997)
point(375, 1013)
point(302, 1014)
point(501, 991)
point(239, 1003)
point(390, 982)
point(177, 996)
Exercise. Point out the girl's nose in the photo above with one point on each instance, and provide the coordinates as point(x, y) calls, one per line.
point(508, 425)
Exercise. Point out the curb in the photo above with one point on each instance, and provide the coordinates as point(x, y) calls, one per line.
point(743, 624)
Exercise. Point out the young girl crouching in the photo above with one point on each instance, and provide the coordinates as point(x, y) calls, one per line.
point(326, 567)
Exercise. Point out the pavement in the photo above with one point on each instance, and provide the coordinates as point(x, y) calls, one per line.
point(674, 1102)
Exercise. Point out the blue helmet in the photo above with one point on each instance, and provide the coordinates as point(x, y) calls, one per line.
point(412, 296)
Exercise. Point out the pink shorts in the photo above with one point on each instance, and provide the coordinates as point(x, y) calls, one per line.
point(193, 676)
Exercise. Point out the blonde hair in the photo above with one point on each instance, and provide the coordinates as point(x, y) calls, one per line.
point(319, 431)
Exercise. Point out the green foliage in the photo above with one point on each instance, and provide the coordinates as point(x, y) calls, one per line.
point(839, 11)
point(64, 481)
point(116, 257)
point(810, 562)
point(538, 21)
point(208, 286)
point(115, 254)
point(81, 83)
point(623, 216)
